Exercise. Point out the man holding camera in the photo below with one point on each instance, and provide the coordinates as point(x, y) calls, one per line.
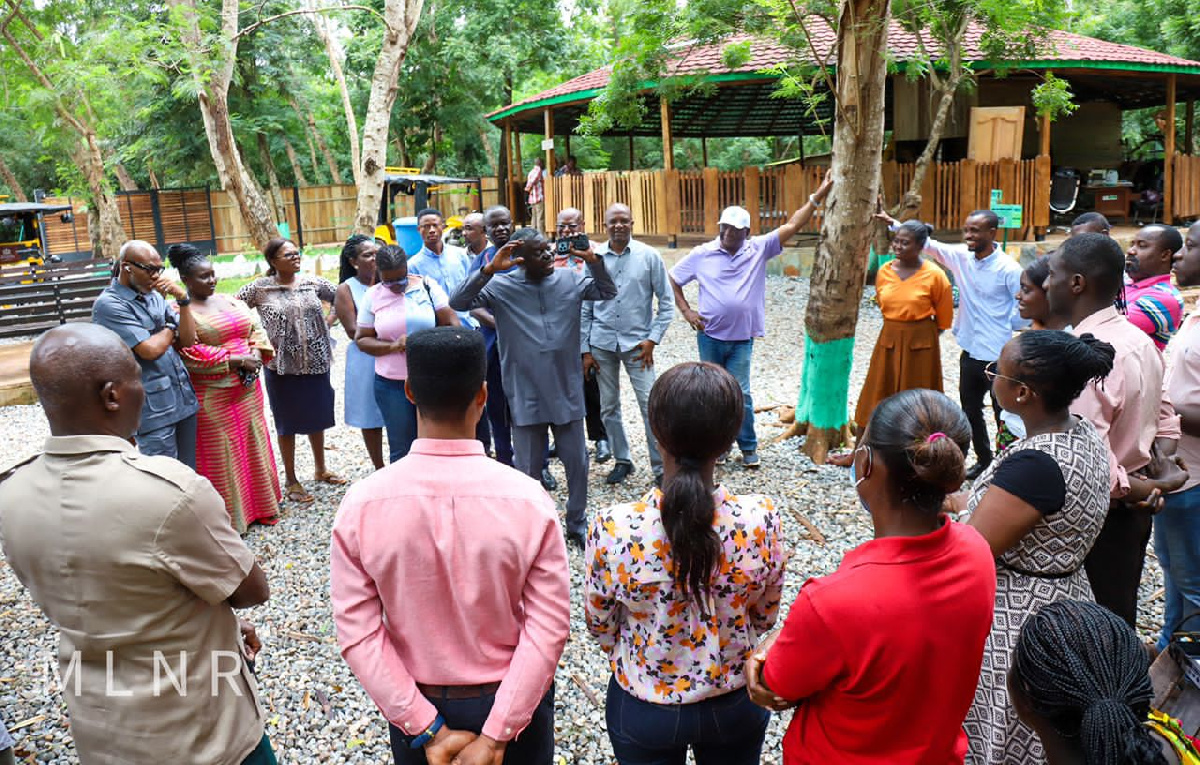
point(573, 236)
point(537, 313)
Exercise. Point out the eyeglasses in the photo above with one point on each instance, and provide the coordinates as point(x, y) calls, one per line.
point(152, 270)
point(396, 285)
point(991, 374)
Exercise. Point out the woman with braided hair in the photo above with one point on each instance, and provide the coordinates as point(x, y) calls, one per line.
point(233, 445)
point(880, 658)
point(1040, 506)
point(356, 274)
point(1080, 679)
point(681, 585)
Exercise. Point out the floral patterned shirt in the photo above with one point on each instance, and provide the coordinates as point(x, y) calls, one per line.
point(661, 648)
point(294, 318)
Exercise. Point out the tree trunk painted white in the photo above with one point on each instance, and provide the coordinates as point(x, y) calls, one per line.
point(837, 280)
point(213, 75)
point(401, 17)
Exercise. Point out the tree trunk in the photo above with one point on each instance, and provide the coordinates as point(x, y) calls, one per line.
point(333, 50)
point(912, 198)
point(212, 81)
point(312, 147)
point(431, 160)
point(401, 17)
point(485, 141)
point(837, 281)
point(153, 178)
point(297, 171)
point(124, 179)
point(335, 175)
point(264, 152)
point(106, 231)
point(11, 182)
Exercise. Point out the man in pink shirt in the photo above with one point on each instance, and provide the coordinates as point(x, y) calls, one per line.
point(449, 580)
point(1152, 303)
point(1128, 410)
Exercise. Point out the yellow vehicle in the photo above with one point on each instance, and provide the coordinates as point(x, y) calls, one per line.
point(406, 180)
point(22, 233)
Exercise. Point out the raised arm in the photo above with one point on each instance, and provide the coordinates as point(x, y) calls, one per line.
point(802, 216)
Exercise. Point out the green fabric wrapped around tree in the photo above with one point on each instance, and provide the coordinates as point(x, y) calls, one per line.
point(825, 383)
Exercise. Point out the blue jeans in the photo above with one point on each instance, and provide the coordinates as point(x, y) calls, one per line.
point(734, 356)
point(534, 746)
point(1177, 543)
point(399, 416)
point(724, 730)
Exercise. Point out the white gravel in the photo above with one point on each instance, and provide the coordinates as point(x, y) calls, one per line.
point(300, 663)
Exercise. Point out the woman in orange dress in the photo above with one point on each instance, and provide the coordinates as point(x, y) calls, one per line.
point(917, 304)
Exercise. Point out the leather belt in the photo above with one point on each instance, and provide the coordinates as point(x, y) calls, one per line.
point(451, 692)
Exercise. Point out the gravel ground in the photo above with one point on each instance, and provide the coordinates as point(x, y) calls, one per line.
point(300, 665)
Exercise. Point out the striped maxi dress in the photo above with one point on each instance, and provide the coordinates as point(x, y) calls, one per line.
point(233, 445)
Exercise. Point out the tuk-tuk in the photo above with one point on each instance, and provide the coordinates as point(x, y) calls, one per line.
point(405, 180)
point(22, 234)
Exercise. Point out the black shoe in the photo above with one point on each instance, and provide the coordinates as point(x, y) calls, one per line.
point(548, 481)
point(619, 473)
point(977, 470)
point(575, 539)
point(603, 452)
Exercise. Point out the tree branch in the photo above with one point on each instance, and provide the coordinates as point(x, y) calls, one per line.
point(300, 11)
point(822, 64)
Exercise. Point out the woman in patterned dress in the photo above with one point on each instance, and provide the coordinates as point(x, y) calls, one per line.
point(1040, 506)
point(681, 584)
point(356, 275)
point(291, 306)
point(233, 445)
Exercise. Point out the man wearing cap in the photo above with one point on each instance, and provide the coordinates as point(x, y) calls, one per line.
point(732, 273)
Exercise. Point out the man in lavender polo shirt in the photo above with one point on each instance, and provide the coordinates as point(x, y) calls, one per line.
point(732, 273)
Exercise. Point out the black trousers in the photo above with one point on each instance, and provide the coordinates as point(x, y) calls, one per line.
point(1114, 565)
point(591, 403)
point(973, 385)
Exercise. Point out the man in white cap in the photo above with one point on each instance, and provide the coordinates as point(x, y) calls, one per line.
point(732, 273)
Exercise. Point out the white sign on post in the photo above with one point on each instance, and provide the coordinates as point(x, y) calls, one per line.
point(548, 144)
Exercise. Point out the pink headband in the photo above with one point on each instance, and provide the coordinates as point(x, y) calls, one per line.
point(935, 436)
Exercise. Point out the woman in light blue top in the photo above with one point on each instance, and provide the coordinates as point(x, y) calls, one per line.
point(356, 275)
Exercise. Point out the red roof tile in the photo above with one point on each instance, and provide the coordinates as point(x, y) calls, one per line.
point(696, 59)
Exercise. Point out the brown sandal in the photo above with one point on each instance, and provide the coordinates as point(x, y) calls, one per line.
point(330, 477)
point(296, 493)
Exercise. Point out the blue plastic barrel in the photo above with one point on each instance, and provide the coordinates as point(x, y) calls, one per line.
point(407, 235)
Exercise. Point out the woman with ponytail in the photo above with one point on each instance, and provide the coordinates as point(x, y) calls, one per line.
point(880, 657)
point(1080, 680)
point(681, 584)
point(1040, 506)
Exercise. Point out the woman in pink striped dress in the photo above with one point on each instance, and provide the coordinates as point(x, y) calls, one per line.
point(233, 445)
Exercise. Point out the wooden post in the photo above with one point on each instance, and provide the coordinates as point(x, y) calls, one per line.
point(1169, 154)
point(1189, 122)
point(567, 145)
point(631, 162)
point(668, 147)
point(548, 204)
point(1039, 232)
point(750, 177)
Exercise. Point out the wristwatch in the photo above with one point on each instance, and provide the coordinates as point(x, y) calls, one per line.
point(183, 301)
point(417, 742)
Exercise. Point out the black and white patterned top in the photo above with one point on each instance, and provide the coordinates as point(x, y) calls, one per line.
point(1044, 567)
point(294, 320)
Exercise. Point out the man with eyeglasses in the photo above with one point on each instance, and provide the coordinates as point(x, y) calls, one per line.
point(135, 307)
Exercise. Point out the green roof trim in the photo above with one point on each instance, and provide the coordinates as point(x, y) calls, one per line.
point(1112, 66)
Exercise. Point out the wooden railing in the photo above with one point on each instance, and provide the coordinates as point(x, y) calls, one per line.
point(1185, 202)
point(670, 202)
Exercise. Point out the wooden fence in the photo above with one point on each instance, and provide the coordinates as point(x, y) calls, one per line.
point(669, 202)
point(1185, 200)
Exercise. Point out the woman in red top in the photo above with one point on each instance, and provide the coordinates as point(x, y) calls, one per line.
point(881, 657)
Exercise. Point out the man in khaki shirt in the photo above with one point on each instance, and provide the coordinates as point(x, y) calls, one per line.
point(134, 559)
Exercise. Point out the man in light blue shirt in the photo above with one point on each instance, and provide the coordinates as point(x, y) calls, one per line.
point(444, 263)
point(624, 331)
point(988, 281)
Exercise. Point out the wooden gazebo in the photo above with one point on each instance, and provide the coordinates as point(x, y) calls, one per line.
point(1106, 79)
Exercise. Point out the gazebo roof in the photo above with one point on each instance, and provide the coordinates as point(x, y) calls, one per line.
point(1097, 70)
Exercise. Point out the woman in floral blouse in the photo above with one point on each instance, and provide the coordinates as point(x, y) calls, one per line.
point(291, 306)
point(681, 584)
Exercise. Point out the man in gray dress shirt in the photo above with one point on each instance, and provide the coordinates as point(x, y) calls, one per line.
point(135, 307)
point(624, 332)
point(537, 311)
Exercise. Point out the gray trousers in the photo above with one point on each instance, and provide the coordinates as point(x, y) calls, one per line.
point(609, 377)
point(177, 440)
point(529, 453)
